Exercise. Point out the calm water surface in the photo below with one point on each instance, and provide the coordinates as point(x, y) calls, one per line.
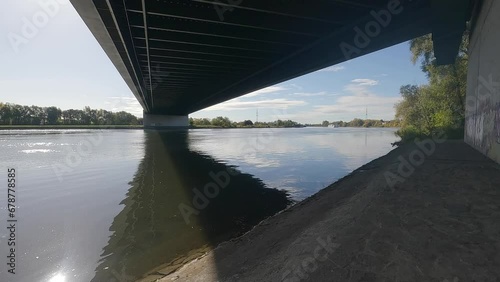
point(111, 205)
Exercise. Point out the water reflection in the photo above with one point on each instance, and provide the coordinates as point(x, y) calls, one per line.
point(299, 160)
point(151, 229)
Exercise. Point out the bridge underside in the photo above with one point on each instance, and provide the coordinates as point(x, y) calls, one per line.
point(182, 56)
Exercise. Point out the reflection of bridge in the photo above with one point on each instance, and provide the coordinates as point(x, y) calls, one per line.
point(160, 222)
point(182, 56)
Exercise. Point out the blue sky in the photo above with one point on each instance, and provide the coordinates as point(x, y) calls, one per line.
point(61, 64)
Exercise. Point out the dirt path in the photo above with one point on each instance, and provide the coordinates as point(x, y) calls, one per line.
point(441, 224)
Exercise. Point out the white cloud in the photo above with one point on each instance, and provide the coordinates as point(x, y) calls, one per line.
point(377, 106)
point(349, 107)
point(267, 90)
point(127, 104)
point(360, 86)
point(359, 98)
point(237, 104)
point(313, 94)
point(333, 68)
point(310, 94)
point(365, 81)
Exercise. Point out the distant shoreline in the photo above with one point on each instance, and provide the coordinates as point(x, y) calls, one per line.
point(68, 126)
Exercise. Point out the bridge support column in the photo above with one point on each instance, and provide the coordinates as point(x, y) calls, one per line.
point(482, 114)
point(165, 121)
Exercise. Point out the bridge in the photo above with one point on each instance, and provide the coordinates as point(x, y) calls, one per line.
point(180, 56)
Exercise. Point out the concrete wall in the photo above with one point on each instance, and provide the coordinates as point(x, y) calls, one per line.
point(482, 122)
point(165, 121)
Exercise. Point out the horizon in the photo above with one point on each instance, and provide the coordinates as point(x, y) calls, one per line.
point(255, 121)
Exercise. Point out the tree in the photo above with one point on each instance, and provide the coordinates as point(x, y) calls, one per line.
point(247, 123)
point(325, 123)
point(123, 118)
point(356, 122)
point(441, 104)
point(221, 121)
point(13, 114)
point(53, 115)
point(86, 115)
point(5, 113)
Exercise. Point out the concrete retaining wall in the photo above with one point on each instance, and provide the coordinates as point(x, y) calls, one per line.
point(482, 122)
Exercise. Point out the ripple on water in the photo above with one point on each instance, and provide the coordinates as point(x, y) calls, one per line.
point(32, 151)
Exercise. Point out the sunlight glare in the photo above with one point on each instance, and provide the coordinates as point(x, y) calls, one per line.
point(58, 278)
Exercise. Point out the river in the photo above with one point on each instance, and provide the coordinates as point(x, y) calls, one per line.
point(111, 205)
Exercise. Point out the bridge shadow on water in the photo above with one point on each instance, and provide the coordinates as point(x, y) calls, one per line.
point(160, 228)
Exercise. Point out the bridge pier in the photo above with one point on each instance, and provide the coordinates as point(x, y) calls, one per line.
point(482, 113)
point(152, 121)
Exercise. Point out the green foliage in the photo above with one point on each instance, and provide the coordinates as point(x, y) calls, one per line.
point(285, 123)
point(13, 114)
point(221, 122)
point(325, 123)
point(362, 123)
point(53, 114)
point(247, 123)
point(356, 123)
point(440, 105)
point(225, 122)
point(409, 133)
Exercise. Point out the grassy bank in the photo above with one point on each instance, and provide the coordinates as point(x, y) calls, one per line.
point(410, 134)
point(232, 127)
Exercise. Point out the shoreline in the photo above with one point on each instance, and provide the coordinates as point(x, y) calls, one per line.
point(377, 231)
point(166, 269)
point(41, 127)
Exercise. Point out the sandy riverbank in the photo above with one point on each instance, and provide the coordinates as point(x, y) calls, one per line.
point(441, 224)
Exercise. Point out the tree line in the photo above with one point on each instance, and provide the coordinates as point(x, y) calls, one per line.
point(225, 122)
point(438, 106)
point(14, 114)
point(357, 122)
